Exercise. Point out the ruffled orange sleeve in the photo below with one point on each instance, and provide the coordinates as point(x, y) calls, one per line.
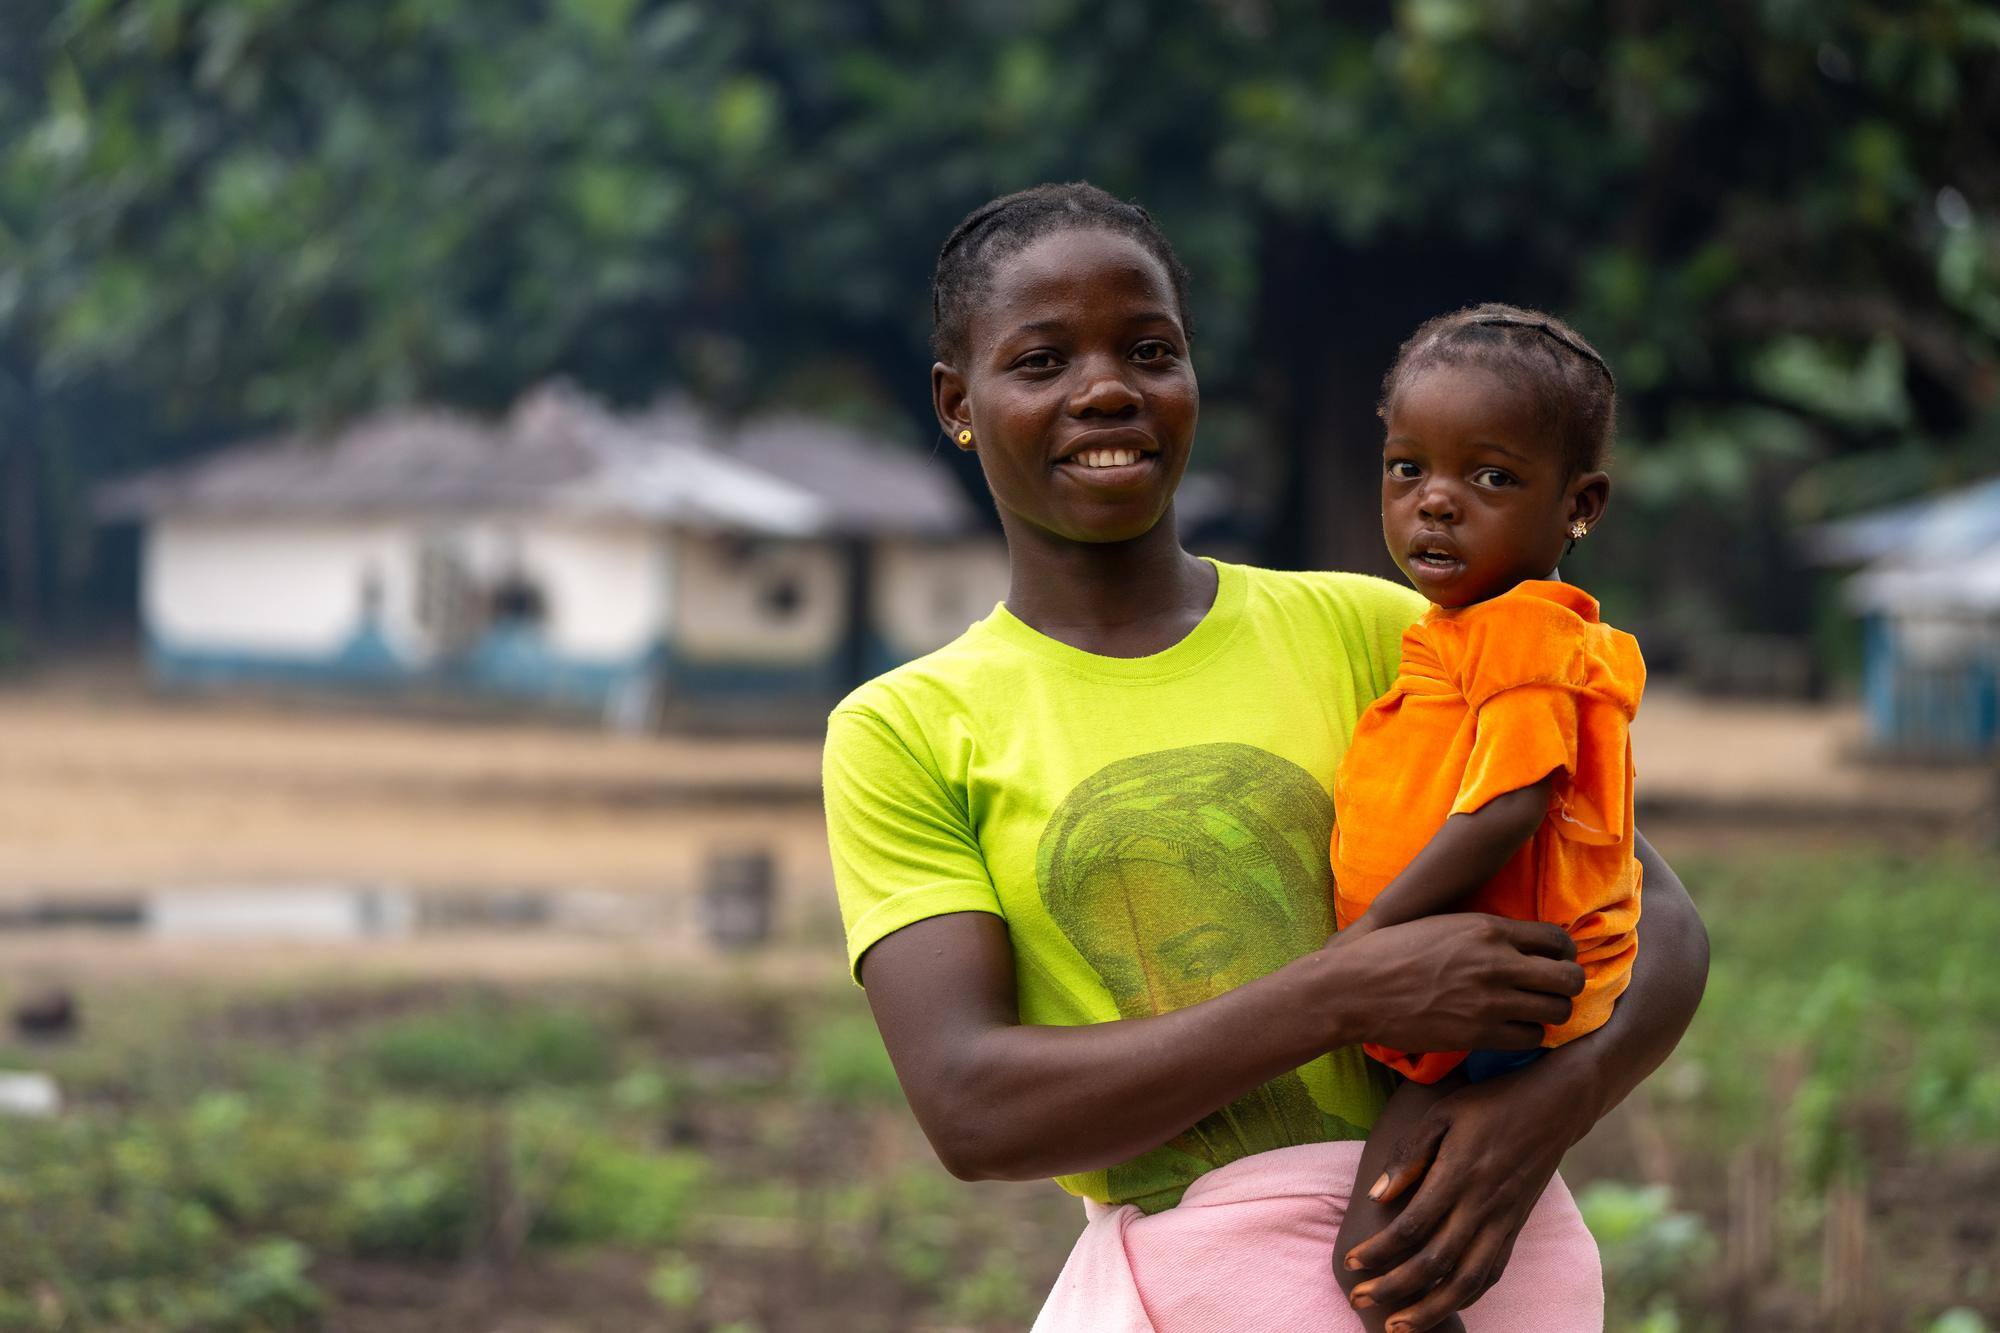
point(1550, 692)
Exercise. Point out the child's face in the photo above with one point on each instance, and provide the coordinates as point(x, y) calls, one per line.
point(1474, 494)
point(1078, 387)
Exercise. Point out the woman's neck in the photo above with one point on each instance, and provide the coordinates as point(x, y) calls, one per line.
point(1116, 599)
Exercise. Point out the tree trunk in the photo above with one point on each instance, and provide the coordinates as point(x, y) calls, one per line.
point(1330, 318)
point(20, 511)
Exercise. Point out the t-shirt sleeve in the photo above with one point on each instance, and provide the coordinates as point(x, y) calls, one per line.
point(1394, 609)
point(903, 848)
point(1540, 707)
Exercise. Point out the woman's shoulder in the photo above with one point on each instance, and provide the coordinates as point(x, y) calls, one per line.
point(918, 694)
point(1374, 607)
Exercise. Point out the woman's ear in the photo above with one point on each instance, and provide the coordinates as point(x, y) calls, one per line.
point(1588, 495)
point(948, 400)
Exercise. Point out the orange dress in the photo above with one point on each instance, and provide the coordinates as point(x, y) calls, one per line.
point(1491, 698)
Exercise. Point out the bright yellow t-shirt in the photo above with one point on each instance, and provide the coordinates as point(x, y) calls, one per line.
point(1153, 830)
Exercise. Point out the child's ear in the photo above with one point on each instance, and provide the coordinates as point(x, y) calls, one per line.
point(1588, 495)
point(949, 401)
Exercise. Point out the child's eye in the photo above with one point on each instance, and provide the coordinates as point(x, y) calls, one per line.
point(1037, 361)
point(1493, 478)
point(1152, 350)
point(1402, 469)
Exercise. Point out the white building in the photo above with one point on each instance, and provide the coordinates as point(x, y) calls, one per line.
point(646, 566)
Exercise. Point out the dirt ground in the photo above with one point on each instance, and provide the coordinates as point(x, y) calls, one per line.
point(108, 790)
point(113, 790)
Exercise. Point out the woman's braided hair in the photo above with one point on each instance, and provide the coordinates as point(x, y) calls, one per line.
point(1571, 384)
point(1008, 225)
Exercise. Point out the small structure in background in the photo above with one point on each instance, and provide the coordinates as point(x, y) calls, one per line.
point(46, 1015)
point(738, 898)
point(29, 1093)
point(651, 567)
point(1928, 594)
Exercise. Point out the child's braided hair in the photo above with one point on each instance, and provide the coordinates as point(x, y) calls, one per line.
point(1570, 382)
point(1008, 225)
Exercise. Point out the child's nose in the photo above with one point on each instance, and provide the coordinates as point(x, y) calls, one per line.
point(1436, 504)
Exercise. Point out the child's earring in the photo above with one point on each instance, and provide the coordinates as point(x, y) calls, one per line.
point(1579, 530)
point(965, 437)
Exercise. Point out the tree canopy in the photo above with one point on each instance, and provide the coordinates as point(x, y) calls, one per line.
point(1780, 220)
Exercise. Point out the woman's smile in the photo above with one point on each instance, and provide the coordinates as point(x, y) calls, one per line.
point(1112, 458)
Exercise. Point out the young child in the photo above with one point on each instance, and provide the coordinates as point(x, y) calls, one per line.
point(1496, 773)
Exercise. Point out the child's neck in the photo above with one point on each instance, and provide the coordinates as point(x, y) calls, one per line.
point(1553, 576)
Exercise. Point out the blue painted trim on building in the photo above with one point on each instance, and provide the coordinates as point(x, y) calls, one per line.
point(366, 660)
point(515, 661)
point(720, 679)
point(1945, 709)
point(511, 661)
point(1878, 676)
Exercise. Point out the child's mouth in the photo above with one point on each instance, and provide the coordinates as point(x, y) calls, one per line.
point(1434, 563)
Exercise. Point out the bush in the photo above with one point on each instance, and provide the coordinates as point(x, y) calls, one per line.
point(416, 1188)
point(841, 1060)
point(1647, 1248)
point(479, 1050)
point(616, 1194)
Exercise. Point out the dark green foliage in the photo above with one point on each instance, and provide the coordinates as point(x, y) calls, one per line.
point(1779, 221)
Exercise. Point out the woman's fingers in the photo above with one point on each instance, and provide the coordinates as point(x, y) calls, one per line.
point(1474, 1273)
point(1515, 1036)
point(1539, 937)
point(1438, 1262)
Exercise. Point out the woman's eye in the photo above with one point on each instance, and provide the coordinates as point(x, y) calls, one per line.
point(1492, 478)
point(1402, 469)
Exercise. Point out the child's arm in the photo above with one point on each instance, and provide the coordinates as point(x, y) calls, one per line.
point(1464, 854)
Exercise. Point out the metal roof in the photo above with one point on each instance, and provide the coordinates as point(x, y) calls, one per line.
point(1940, 554)
point(1951, 522)
point(559, 450)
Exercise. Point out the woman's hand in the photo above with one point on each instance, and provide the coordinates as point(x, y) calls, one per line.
point(1485, 1154)
point(1457, 982)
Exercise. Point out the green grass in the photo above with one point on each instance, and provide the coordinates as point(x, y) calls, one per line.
point(1846, 982)
point(223, 1155)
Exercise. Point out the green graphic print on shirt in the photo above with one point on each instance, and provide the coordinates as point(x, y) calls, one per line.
point(1179, 875)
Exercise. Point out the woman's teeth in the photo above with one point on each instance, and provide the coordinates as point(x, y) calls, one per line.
point(1106, 457)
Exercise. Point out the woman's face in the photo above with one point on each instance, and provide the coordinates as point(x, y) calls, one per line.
point(1078, 387)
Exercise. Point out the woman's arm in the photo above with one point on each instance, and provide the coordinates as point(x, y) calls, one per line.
point(1485, 1154)
point(1002, 1100)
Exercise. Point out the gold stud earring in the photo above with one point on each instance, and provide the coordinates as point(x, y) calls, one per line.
point(1579, 530)
point(965, 437)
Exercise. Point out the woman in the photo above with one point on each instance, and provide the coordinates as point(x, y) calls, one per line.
point(1081, 851)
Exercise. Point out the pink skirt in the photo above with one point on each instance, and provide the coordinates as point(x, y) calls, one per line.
point(1250, 1249)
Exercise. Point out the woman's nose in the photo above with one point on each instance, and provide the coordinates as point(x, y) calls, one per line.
point(1104, 393)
